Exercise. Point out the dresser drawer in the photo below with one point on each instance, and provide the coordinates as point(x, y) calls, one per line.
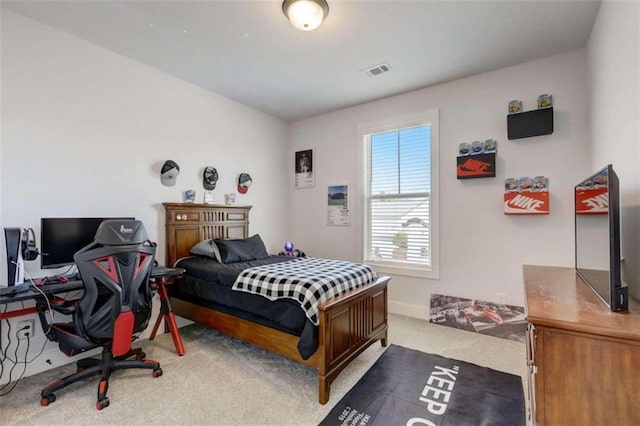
point(184, 216)
point(236, 215)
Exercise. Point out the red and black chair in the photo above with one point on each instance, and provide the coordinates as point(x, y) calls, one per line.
point(114, 309)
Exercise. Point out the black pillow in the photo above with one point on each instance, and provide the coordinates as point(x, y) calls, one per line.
point(207, 248)
point(241, 250)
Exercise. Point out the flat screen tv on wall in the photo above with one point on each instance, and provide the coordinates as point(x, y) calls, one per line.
point(597, 223)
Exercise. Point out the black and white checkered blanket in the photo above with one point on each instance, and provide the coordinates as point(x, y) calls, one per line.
point(308, 280)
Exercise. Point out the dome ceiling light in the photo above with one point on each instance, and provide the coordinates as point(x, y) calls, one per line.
point(305, 15)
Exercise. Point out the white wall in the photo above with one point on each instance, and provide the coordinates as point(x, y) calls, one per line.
point(614, 78)
point(85, 133)
point(2, 259)
point(482, 250)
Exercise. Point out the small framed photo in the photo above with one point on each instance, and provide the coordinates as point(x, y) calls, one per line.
point(338, 205)
point(190, 196)
point(304, 169)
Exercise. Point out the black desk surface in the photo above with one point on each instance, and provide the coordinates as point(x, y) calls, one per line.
point(73, 285)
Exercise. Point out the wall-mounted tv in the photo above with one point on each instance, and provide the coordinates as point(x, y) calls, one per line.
point(597, 222)
point(62, 237)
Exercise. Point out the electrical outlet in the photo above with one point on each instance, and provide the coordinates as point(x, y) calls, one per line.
point(25, 327)
point(501, 298)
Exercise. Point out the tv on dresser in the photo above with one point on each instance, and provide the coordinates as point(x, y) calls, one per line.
point(597, 237)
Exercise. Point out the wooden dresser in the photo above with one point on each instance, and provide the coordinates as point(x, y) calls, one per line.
point(189, 223)
point(584, 360)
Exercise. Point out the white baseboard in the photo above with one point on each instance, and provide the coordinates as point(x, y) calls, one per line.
point(413, 311)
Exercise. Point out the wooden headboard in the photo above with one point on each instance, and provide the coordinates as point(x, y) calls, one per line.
point(188, 224)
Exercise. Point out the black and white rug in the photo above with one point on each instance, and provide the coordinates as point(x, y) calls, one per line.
point(410, 388)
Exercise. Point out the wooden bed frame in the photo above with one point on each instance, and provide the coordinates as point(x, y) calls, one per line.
point(348, 324)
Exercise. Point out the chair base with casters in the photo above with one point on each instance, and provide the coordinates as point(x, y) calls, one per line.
point(89, 367)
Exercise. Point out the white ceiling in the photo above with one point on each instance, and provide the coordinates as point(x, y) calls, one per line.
point(249, 52)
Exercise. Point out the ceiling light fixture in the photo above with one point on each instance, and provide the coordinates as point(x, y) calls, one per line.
point(305, 15)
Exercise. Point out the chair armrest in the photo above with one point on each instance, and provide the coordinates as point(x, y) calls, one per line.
point(64, 306)
point(45, 305)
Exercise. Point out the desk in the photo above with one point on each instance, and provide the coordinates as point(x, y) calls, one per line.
point(48, 289)
point(160, 276)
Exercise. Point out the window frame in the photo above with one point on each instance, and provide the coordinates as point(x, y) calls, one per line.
point(428, 117)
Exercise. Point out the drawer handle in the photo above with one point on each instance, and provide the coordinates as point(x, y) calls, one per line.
point(181, 217)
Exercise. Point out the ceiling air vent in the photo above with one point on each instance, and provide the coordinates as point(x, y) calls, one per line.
point(377, 70)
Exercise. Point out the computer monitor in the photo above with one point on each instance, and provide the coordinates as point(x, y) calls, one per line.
point(62, 237)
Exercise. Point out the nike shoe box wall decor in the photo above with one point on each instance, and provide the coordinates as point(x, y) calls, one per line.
point(525, 124)
point(477, 159)
point(526, 196)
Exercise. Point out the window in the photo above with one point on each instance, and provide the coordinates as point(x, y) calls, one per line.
point(400, 224)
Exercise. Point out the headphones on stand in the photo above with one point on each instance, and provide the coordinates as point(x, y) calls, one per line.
point(28, 244)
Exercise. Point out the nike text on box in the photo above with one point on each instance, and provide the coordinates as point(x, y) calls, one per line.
point(592, 201)
point(476, 166)
point(526, 203)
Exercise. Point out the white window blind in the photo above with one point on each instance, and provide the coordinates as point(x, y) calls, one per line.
point(398, 226)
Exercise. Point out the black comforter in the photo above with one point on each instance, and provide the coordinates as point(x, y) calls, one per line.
point(208, 283)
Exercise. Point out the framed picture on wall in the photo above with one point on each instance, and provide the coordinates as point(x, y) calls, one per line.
point(338, 205)
point(304, 170)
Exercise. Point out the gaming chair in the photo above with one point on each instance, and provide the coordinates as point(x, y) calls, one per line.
point(116, 305)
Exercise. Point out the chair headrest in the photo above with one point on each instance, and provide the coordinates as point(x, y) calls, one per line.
point(121, 232)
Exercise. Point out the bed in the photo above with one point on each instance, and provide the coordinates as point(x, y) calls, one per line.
point(347, 324)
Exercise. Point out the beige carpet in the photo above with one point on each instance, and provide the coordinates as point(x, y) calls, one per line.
point(222, 381)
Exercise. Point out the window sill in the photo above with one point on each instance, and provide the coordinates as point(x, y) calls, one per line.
point(407, 271)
